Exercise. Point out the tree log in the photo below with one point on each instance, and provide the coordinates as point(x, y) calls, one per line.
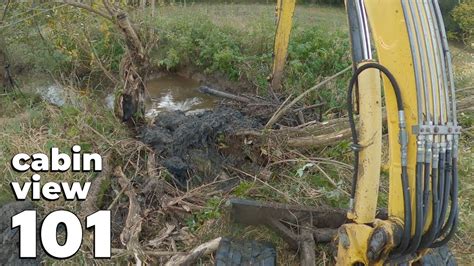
point(201, 250)
point(207, 90)
point(316, 141)
point(307, 247)
point(130, 236)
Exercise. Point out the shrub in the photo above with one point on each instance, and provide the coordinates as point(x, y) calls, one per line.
point(463, 15)
point(451, 26)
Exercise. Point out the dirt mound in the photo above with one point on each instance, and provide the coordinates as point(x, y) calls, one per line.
point(191, 147)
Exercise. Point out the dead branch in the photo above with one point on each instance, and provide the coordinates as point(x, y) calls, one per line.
point(307, 247)
point(130, 236)
point(151, 165)
point(283, 110)
point(5, 10)
point(206, 89)
point(89, 8)
point(90, 204)
point(277, 112)
point(118, 251)
point(310, 107)
point(317, 135)
point(320, 140)
point(464, 89)
point(324, 235)
point(465, 104)
point(201, 250)
point(107, 73)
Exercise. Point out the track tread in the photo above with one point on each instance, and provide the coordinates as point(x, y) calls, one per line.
point(233, 253)
point(438, 256)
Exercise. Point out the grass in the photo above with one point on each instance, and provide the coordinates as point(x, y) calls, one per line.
point(233, 42)
point(464, 76)
point(246, 16)
point(30, 125)
point(237, 40)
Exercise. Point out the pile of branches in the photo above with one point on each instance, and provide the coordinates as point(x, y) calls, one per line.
point(149, 221)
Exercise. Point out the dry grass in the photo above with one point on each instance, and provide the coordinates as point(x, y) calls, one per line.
point(462, 244)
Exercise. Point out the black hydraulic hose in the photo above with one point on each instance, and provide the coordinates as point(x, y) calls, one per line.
point(441, 189)
point(356, 147)
point(426, 190)
point(440, 192)
point(449, 236)
point(355, 139)
point(430, 236)
point(407, 215)
point(452, 222)
point(419, 217)
point(446, 192)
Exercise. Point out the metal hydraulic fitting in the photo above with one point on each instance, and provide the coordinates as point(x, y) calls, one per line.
point(403, 138)
point(436, 150)
point(420, 148)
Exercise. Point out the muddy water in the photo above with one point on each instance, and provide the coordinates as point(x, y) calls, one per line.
point(176, 93)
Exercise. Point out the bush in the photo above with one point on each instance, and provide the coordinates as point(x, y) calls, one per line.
point(58, 41)
point(446, 7)
point(245, 54)
point(463, 15)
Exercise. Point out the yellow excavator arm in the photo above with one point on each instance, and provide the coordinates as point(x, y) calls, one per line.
point(414, 61)
point(284, 20)
point(411, 62)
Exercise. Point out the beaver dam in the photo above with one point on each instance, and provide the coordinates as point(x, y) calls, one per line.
point(190, 130)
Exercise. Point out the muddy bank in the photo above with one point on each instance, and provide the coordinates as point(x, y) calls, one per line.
point(197, 148)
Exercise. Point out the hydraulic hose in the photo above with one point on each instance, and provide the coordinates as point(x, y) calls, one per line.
point(403, 143)
point(449, 236)
point(447, 191)
point(407, 214)
point(419, 217)
point(426, 190)
point(355, 138)
point(430, 236)
point(452, 222)
point(441, 189)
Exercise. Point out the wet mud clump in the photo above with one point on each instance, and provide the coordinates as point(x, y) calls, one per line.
point(195, 149)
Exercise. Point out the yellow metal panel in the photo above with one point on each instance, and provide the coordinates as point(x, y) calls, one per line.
point(285, 10)
point(370, 138)
point(393, 50)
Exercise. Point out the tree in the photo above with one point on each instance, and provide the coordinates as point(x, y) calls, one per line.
point(6, 80)
point(134, 64)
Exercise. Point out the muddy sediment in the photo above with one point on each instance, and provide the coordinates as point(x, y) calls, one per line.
point(193, 147)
